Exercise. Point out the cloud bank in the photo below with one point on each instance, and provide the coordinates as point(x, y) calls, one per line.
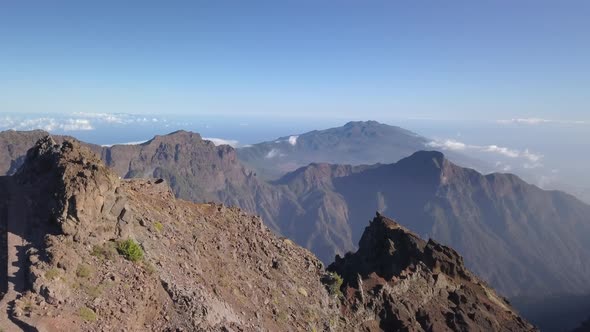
point(453, 145)
point(77, 121)
point(45, 123)
point(538, 121)
point(221, 141)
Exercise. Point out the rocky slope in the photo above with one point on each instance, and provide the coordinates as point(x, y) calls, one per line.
point(522, 239)
point(97, 253)
point(399, 282)
point(204, 267)
point(197, 170)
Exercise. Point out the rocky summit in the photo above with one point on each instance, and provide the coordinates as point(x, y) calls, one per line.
point(89, 251)
point(399, 282)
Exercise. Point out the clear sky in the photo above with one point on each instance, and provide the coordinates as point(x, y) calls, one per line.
point(348, 59)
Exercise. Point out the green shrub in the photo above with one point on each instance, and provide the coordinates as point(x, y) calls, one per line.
point(130, 250)
point(83, 271)
point(158, 226)
point(87, 314)
point(333, 282)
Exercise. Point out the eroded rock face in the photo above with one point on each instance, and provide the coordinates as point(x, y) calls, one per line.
point(82, 194)
point(399, 282)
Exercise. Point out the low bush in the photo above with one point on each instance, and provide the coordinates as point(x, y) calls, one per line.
point(130, 249)
point(333, 282)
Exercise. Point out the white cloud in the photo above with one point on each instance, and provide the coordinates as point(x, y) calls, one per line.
point(533, 159)
point(537, 121)
point(274, 153)
point(503, 167)
point(104, 117)
point(47, 124)
point(293, 140)
point(76, 124)
point(76, 121)
point(531, 156)
point(448, 144)
point(531, 165)
point(128, 143)
point(221, 141)
point(501, 150)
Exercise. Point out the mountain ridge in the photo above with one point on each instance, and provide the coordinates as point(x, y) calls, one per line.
point(198, 267)
point(323, 208)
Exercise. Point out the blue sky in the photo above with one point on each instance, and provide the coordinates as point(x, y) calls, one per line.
point(452, 60)
point(505, 81)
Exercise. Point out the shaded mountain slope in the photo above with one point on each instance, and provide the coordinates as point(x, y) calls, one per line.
point(522, 239)
point(14, 145)
point(584, 327)
point(556, 313)
point(400, 282)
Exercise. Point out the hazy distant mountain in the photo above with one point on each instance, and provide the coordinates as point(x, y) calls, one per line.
point(14, 145)
point(522, 239)
point(355, 143)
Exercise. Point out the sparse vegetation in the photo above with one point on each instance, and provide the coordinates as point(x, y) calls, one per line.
point(149, 268)
point(130, 250)
point(87, 314)
point(93, 291)
point(158, 226)
point(333, 282)
point(25, 304)
point(105, 252)
point(83, 271)
point(52, 274)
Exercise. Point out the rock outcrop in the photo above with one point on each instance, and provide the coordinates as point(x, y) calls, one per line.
point(399, 282)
